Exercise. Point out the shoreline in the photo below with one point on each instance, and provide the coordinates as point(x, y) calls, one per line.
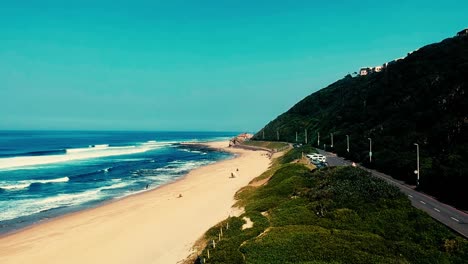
point(88, 225)
point(200, 144)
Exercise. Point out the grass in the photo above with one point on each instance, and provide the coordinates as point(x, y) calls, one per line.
point(296, 153)
point(331, 215)
point(273, 145)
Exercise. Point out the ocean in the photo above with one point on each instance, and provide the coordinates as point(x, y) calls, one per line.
point(44, 174)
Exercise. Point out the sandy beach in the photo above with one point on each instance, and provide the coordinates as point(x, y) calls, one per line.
point(151, 227)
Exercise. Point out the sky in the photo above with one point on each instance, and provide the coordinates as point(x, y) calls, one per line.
point(194, 65)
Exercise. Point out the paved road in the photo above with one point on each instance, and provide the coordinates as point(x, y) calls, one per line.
point(446, 214)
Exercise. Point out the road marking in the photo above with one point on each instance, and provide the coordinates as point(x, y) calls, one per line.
point(401, 186)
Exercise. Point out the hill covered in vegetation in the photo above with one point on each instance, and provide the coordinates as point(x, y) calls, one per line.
point(421, 99)
point(331, 215)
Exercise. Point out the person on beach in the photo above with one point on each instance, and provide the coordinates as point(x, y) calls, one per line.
point(232, 175)
point(180, 195)
point(147, 185)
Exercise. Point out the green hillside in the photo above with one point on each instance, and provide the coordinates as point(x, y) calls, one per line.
point(421, 99)
point(331, 215)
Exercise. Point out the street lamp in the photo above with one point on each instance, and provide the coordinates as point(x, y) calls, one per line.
point(331, 134)
point(305, 135)
point(347, 143)
point(318, 139)
point(370, 149)
point(417, 164)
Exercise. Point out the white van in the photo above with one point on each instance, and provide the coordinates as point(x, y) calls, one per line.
point(313, 156)
point(322, 159)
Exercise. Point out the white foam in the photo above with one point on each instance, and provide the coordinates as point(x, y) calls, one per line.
point(194, 151)
point(26, 183)
point(130, 193)
point(79, 154)
point(183, 166)
point(159, 144)
point(117, 186)
point(64, 179)
point(102, 146)
point(141, 159)
point(17, 186)
point(15, 209)
point(161, 178)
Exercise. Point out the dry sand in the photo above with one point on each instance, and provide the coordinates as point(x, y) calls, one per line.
point(151, 227)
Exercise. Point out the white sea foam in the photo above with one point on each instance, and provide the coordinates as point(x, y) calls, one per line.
point(117, 186)
point(14, 209)
point(26, 183)
point(120, 160)
point(194, 151)
point(79, 154)
point(101, 146)
point(158, 144)
point(17, 186)
point(64, 179)
point(161, 179)
point(182, 166)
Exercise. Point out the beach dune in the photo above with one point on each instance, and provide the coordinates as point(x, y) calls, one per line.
point(156, 226)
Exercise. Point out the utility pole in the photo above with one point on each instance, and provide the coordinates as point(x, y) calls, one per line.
point(347, 143)
point(331, 134)
point(277, 134)
point(263, 134)
point(318, 139)
point(417, 164)
point(370, 149)
point(305, 132)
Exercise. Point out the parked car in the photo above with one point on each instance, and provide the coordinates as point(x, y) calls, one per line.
point(313, 156)
point(315, 162)
point(322, 159)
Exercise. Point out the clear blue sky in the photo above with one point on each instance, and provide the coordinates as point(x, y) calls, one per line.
point(194, 65)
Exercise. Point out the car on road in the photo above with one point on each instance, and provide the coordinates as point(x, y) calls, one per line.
point(313, 156)
point(318, 157)
point(321, 165)
point(322, 158)
point(318, 160)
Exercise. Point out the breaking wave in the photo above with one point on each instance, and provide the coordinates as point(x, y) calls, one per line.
point(93, 151)
point(26, 183)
